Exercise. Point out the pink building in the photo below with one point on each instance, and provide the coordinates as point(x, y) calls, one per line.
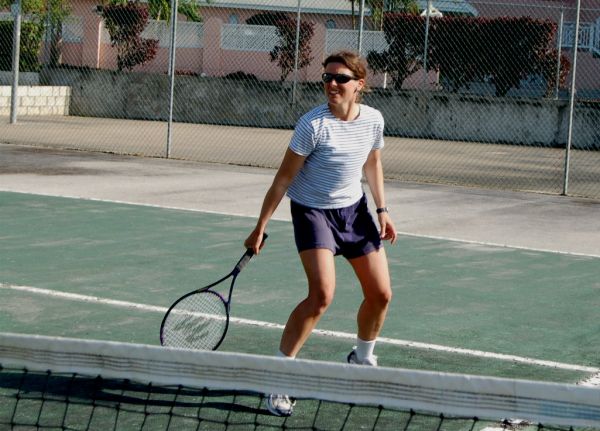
point(220, 45)
point(223, 43)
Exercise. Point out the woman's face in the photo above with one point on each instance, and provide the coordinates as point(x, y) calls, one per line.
point(340, 92)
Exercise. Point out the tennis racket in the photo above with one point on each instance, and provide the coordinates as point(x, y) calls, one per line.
point(200, 319)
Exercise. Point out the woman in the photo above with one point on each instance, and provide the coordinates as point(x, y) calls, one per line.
point(321, 173)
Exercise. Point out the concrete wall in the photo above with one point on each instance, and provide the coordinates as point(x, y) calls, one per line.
point(473, 118)
point(267, 104)
point(25, 78)
point(36, 100)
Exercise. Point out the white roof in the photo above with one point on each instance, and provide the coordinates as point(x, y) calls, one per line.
point(450, 6)
point(337, 7)
point(329, 7)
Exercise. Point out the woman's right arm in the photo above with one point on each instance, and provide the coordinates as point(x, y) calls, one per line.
point(289, 168)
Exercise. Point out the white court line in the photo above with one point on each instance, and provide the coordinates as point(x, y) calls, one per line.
point(335, 334)
point(592, 381)
point(234, 214)
point(494, 244)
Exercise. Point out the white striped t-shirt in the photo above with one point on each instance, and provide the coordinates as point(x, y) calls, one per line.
point(336, 152)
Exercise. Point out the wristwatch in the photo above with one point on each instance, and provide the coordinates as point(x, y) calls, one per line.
point(381, 210)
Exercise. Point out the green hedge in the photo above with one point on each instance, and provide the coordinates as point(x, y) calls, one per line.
point(502, 50)
point(31, 42)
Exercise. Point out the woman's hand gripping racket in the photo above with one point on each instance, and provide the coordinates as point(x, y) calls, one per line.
point(200, 319)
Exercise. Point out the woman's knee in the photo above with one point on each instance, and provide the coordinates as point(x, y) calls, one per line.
point(320, 297)
point(380, 296)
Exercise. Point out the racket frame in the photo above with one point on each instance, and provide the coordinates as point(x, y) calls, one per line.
point(207, 289)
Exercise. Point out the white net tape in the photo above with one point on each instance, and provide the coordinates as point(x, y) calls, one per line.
point(450, 394)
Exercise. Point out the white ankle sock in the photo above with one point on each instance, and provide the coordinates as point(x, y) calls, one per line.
point(280, 354)
point(364, 349)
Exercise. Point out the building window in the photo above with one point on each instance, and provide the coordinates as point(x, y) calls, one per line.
point(330, 23)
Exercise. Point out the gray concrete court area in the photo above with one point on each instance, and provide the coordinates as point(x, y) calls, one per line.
point(472, 164)
point(514, 219)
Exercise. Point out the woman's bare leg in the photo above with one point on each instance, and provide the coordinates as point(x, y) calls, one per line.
point(319, 266)
point(373, 274)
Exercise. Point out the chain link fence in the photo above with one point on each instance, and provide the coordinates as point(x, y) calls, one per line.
point(490, 94)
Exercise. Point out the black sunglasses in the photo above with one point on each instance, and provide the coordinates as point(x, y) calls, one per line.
point(340, 78)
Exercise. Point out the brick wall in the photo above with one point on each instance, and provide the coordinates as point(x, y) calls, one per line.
point(37, 100)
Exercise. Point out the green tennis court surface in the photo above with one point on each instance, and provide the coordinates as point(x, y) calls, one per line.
point(103, 270)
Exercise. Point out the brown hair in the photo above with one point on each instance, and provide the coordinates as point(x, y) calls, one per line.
point(354, 62)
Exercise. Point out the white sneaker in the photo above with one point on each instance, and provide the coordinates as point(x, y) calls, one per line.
point(280, 405)
point(353, 359)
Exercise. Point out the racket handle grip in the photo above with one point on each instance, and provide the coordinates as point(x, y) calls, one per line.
point(246, 257)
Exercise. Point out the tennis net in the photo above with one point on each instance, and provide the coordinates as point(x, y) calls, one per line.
point(71, 384)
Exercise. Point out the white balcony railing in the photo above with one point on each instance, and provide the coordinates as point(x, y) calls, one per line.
point(244, 37)
point(348, 39)
point(596, 47)
point(589, 36)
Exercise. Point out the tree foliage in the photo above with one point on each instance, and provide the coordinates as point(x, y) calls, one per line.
point(190, 9)
point(284, 52)
point(40, 13)
point(125, 23)
point(404, 35)
point(378, 9)
point(503, 51)
point(31, 39)
point(28, 7)
point(56, 12)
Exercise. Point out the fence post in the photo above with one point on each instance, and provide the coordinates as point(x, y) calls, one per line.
point(360, 26)
point(14, 95)
point(426, 49)
point(571, 103)
point(172, 47)
point(296, 54)
point(560, 36)
point(47, 36)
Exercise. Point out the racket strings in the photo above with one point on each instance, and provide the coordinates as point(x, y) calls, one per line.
point(196, 322)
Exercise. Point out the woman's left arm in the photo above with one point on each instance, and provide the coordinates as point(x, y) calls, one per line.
point(374, 174)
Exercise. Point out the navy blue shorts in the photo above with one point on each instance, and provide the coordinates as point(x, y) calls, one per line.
point(349, 231)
